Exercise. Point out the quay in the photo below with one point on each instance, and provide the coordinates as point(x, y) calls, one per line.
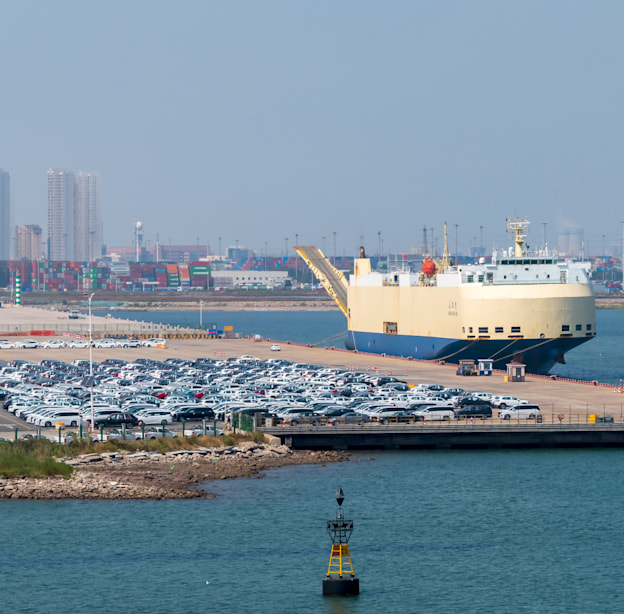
point(567, 407)
point(450, 437)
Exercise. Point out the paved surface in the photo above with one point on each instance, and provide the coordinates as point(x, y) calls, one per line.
point(15, 320)
point(574, 400)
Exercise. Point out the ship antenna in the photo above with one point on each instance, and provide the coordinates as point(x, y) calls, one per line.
point(519, 229)
point(445, 255)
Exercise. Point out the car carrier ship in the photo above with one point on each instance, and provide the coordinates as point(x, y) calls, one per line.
point(518, 307)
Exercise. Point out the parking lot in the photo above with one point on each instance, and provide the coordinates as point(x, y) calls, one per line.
point(239, 381)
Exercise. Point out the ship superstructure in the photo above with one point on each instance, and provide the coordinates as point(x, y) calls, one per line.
point(520, 306)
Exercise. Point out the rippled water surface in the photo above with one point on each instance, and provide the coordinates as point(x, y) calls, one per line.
point(469, 531)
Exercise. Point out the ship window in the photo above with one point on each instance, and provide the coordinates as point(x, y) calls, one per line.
point(483, 329)
point(480, 279)
point(470, 279)
point(515, 329)
point(504, 276)
point(565, 327)
point(499, 329)
point(470, 329)
point(390, 328)
point(490, 277)
point(579, 327)
point(548, 276)
point(589, 327)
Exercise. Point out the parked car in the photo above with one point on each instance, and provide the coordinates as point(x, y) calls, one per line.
point(155, 433)
point(276, 347)
point(117, 419)
point(435, 412)
point(197, 412)
point(524, 411)
point(27, 344)
point(116, 434)
point(502, 401)
point(154, 416)
point(482, 411)
point(53, 344)
point(395, 416)
point(199, 430)
point(350, 417)
point(6, 345)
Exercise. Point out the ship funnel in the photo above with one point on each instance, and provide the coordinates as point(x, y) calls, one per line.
point(362, 252)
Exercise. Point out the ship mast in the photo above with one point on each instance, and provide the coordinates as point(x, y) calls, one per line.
point(519, 230)
point(445, 255)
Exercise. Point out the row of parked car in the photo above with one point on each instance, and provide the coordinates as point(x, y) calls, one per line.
point(56, 344)
point(159, 392)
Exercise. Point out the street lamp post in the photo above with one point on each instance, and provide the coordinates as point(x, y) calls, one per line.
point(201, 314)
point(334, 248)
point(91, 365)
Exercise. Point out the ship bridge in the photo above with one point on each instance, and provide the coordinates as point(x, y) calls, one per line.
point(329, 276)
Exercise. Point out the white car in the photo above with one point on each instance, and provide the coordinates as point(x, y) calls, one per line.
point(53, 344)
point(520, 412)
point(6, 345)
point(77, 343)
point(432, 413)
point(27, 344)
point(155, 433)
point(502, 401)
point(154, 343)
point(154, 416)
point(105, 343)
point(276, 347)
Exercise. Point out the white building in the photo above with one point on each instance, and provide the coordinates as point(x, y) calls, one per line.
point(233, 279)
point(88, 227)
point(61, 214)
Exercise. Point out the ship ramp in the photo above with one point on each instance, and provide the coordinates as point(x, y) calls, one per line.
point(329, 276)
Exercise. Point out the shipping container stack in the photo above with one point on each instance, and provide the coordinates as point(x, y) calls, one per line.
point(200, 274)
point(185, 278)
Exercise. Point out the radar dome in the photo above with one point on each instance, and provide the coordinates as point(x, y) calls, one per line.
point(138, 225)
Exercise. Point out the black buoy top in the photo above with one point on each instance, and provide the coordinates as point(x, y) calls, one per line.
point(340, 496)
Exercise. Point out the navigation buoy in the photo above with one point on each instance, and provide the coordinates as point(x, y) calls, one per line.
point(340, 578)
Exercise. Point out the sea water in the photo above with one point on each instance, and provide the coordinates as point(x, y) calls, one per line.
point(600, 359)
point(509, 531)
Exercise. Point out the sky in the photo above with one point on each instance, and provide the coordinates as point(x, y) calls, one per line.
point(265, 123)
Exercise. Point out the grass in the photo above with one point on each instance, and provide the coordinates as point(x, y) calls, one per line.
point(33, 458)
point(37, 457)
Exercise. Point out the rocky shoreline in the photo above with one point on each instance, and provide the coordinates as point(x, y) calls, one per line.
point(147, 475)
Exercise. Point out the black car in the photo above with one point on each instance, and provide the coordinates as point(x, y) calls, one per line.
point(118, 419)
point(472, 400)
point(194, 413)
point(482, 411)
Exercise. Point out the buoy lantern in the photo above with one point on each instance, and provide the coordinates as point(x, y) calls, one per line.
point(340, 578)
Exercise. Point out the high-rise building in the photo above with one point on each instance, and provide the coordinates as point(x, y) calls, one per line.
point(29, 242)
point(5, 215)
point(88, 228)
point(61, 213)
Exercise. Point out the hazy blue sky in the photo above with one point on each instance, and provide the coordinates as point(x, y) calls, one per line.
point(259, 120)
